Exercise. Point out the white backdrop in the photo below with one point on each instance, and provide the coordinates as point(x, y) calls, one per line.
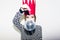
point(48, 16)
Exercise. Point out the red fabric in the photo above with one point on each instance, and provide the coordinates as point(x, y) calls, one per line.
point(32, 6)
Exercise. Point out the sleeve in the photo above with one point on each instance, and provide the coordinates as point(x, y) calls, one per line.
point(17, 20)
point(40, 32)
point(40, 28)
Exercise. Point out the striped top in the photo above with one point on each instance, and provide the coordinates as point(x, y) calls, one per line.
point(37, 35)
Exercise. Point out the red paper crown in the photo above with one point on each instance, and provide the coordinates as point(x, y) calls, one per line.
point(31, 4)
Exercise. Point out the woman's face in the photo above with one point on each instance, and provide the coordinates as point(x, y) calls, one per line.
point(29, 22)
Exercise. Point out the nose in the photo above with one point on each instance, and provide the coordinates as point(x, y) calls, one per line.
point(29, 19)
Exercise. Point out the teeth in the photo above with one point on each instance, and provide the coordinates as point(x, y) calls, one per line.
point(24, 1)
point(28, 1)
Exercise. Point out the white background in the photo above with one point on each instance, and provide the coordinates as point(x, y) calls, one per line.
point(48, 16)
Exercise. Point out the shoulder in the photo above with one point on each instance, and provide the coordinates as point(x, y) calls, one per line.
point(39, 27)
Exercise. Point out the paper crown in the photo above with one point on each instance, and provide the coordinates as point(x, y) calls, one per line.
point(31, 4)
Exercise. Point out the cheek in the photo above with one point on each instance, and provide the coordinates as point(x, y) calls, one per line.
point(27, 19)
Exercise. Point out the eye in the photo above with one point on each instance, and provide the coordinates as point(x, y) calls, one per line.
point(27, 17)
point(32, 16)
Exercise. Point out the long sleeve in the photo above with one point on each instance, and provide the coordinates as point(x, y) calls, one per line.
point(17, 20)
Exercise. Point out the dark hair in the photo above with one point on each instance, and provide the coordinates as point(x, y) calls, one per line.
point(26, 12)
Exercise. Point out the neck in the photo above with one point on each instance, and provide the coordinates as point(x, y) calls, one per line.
point(29, 32)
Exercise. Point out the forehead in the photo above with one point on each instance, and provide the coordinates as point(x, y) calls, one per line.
point(29, 15)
